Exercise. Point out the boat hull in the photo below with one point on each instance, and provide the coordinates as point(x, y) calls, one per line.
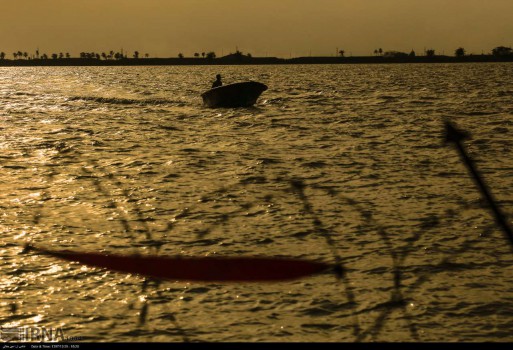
point(243, 94)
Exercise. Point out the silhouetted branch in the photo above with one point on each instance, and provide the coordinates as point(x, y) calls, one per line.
point(456, 137)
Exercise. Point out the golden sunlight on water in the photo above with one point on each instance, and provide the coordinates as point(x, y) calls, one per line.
point(332, 162)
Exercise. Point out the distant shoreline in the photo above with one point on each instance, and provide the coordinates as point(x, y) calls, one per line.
point(244, 60)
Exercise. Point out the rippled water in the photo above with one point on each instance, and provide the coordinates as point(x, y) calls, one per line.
point(127, 160)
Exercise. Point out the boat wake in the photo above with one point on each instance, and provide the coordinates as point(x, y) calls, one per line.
point(126, 101)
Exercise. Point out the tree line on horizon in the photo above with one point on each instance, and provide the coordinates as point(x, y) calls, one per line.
point(111, 55)
point(499, 51)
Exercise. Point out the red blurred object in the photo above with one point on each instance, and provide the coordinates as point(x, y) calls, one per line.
point(200, 269)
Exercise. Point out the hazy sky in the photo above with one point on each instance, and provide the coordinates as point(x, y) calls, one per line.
point(280, 28)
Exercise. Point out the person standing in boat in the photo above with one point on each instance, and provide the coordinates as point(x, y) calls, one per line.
point(218, 81)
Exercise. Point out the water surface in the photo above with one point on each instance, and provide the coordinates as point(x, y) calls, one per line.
point(127, 160)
